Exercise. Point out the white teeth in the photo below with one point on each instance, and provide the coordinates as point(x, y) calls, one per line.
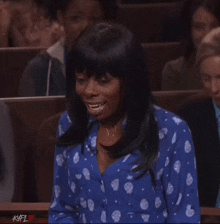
point(95, 106)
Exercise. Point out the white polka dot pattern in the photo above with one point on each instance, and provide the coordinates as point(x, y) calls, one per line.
point(76, 158)
point(86, 173)
point(115, 184)
point(189, 211)
point(83, 195)
point(157, 202)
point(91, 205)
point(177, 166)
point(128, 187)
point(57, 191)
point(145, 217)
point(103, 216)
point(93, 141)
point(144, 204)
point(116, 216)
point(177, 120)
point(162, 133)
point(179, 199)
point(187, 147)
point(189, 179)
point(73, 187)
point(173, 138)
point(170, 188)
point(59, 160)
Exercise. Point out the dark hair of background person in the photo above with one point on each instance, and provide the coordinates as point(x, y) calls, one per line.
point(177, 27)
point(52, 6)
point(111, 48)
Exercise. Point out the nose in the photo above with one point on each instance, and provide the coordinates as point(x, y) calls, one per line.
point(91, 88)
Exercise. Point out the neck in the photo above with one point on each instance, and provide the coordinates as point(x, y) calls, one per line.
point(112, 122)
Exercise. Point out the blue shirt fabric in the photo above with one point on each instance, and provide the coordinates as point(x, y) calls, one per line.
point(83, 195)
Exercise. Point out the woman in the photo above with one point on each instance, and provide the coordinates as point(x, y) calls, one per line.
point(45, 74)
point(111, 165)
point(199, 17)
point(202, 115)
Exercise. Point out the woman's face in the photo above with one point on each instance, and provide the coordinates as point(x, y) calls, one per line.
point(202, 22)
point(210, 73)
point(102, 96)
point(78, 15)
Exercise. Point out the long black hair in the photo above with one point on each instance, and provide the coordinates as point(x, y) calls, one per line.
point(110, 47)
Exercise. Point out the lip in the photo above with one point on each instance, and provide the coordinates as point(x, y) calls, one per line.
point(95, 108)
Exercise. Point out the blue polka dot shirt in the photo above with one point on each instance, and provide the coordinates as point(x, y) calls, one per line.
point(81, 194)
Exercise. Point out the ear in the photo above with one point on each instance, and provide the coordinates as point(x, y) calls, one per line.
point(60, 18)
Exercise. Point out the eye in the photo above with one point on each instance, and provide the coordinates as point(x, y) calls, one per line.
point(80, 78)
point(105, 79)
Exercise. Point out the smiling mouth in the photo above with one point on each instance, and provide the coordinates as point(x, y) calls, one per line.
point(95, 107)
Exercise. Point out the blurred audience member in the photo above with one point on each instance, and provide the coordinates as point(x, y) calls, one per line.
point(24, 23)
point(200, 17)
point(45, 74)
point(203, 117)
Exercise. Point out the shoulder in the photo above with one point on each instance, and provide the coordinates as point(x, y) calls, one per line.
point(166, 118)
point(40, 62)
point(176, 64)
point(64, 124)
point(170, 125)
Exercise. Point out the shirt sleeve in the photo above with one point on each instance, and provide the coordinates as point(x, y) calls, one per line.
point(62, 208)
point(180, 178)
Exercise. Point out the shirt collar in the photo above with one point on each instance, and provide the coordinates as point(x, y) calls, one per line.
point(57, 51)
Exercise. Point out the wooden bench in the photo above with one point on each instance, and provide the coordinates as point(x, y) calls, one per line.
point(157, 56)
point(33, 128)
point(145, 20)
point(40, 212)
point(13, 62)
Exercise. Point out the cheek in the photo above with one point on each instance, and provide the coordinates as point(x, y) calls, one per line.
point(79, 90)
point(116, 97)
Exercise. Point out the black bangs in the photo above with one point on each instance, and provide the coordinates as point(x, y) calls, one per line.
point(104, 53)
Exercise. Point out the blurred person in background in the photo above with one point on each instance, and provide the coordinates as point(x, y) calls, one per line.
point(25, 23)
point(198, 17)
point(202, 113)
point(45, 74)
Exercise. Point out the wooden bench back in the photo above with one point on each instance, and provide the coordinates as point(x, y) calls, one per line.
point(157, 56)
point(13, 62)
